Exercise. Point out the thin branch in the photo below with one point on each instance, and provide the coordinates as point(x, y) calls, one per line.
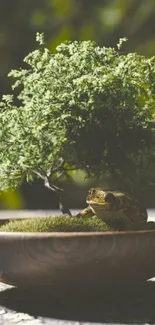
point(42, 171)
point(71, 168)
point(61, 174)
point(47, 182)
point(51, 186)
point(54, 170)
point(38, 174)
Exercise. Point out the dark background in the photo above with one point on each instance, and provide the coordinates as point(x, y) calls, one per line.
point(104, 21)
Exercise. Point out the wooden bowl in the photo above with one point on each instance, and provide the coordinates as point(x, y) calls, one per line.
point(81, 263)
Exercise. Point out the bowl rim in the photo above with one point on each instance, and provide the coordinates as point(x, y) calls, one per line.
point(76, 234)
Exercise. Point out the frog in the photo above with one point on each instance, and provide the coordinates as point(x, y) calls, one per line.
point(119, 210)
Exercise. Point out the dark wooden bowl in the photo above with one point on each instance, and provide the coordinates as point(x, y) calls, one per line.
point(76, 263)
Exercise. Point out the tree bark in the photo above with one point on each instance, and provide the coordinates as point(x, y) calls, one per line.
point(60, 193)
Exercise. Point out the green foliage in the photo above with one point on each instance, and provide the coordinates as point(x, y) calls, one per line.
point(54, 224)
point(84, 107)
point(103, 21)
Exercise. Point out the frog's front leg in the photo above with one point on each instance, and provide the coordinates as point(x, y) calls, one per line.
point(87, 212)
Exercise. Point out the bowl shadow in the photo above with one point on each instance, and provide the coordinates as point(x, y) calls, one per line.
point(133, 305)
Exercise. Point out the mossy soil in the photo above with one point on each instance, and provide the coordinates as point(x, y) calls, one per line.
point(55, 224)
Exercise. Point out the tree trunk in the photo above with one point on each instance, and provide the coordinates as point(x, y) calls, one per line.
point(60, 193)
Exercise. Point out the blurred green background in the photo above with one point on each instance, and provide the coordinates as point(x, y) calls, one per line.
point(104, 21)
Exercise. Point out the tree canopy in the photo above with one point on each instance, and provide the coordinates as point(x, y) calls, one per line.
point(82, 107)
point(104, 21)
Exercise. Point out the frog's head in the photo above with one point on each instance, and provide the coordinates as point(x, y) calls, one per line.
point(98, 197)
point(117, 209)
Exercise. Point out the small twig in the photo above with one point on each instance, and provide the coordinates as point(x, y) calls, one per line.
point(64, 171)
point(61, 174)
point(71, 168)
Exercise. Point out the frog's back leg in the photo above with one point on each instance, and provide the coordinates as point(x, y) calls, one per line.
point(87, 212)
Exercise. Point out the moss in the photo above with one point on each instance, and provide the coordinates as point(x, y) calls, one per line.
point(55, 224)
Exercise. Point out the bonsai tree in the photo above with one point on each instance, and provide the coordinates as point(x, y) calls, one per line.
point(82, 107)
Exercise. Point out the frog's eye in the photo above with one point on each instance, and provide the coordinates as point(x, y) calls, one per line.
point(92, 191)
point(109, 197)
